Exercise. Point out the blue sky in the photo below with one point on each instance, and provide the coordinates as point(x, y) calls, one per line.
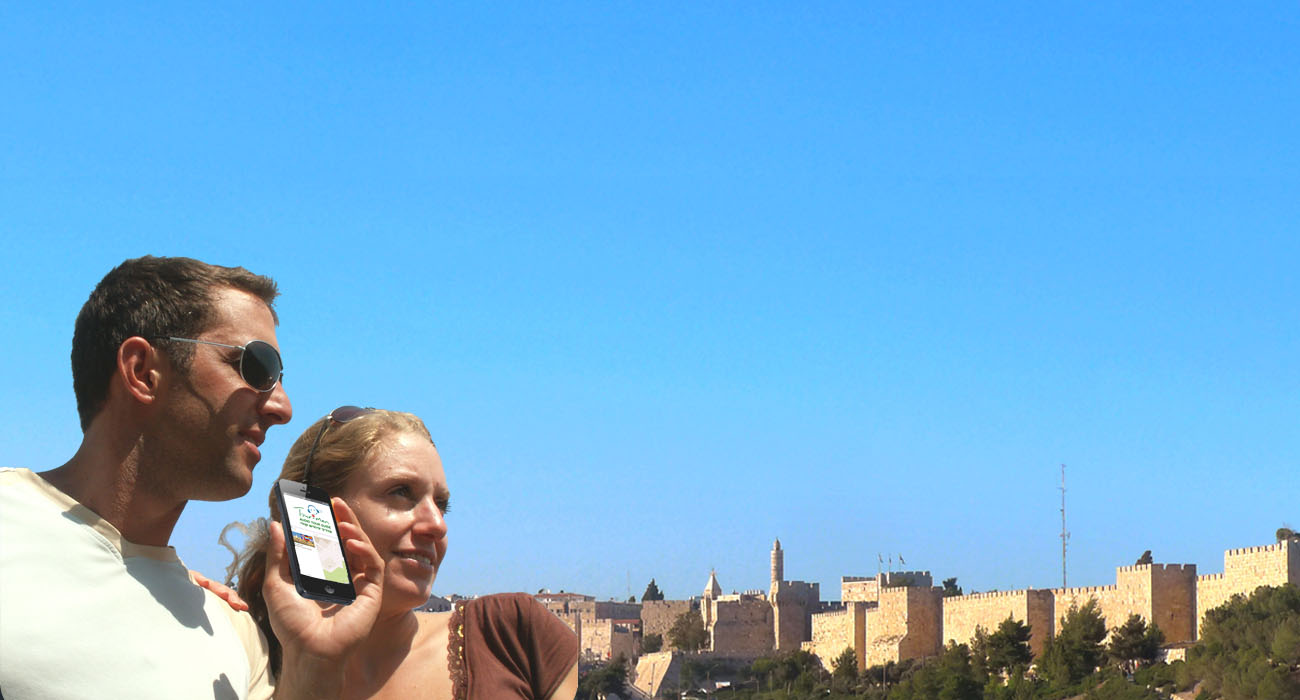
point(668, 280)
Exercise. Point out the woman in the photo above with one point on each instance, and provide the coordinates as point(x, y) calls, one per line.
point(384, 466)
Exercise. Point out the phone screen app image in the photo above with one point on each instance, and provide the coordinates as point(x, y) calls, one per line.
point(315, 540)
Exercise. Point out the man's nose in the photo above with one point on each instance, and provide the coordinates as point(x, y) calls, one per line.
point(277, 406)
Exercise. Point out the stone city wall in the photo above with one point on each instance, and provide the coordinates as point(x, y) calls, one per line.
point(655, 670)
point(1246, 569)
point(867, 588)
point(605, 610)
point(794, 603)
point(962, 615)
point(1107, 597)
point(834, 631)
point(605, 639)
point(859, 589)
point(907, 624)
point(1173, 601)
point(658, 616)
point(741, 626)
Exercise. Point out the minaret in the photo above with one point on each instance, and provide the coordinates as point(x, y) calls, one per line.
point(778, 564)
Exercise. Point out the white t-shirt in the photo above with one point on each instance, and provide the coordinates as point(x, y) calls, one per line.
point(87, 614)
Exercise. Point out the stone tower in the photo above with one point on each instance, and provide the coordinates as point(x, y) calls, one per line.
point(712, 590)
point(778, 564)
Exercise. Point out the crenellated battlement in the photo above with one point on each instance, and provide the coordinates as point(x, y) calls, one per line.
point(1210, 577)
point(1085, 590)
point(1248, 551)
point(991, 595)
point(921, 579)
point(1168, 568)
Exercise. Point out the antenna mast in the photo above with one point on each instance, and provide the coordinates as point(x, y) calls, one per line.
point(1065, 535)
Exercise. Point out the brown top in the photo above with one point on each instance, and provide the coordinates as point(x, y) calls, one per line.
point(508, 646)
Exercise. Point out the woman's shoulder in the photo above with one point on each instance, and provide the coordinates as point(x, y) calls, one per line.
point(515, 614)
point(515, 635)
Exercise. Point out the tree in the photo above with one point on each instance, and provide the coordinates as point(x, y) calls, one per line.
point(845, 671)
point(1134, 644)
point(950, 587)
point(1008, 647)
point(1144, 559)
point(1076, 650)
point(603, 680)
point(1248, 646)
point(797, 669)
point(652, 592)
point(1286, 533)
point(652, 643)
point(688, 632)
point(950, 677)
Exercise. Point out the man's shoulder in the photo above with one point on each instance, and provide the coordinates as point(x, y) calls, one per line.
point(260, 684)
point(22, 489)
point(26, 479)
point(15, 474)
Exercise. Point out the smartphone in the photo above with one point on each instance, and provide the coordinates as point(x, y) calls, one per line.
point(311, 534)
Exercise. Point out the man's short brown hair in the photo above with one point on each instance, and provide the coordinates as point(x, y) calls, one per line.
point(153, 298)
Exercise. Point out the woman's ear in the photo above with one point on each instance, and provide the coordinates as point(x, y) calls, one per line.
point(140, 367)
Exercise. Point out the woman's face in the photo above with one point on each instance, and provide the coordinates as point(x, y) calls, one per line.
point(400, 496)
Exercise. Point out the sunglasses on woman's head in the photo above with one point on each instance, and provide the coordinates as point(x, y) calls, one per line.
point(342, 414)
point(259, 362)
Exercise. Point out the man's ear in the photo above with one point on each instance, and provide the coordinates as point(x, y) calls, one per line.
point(140, 367)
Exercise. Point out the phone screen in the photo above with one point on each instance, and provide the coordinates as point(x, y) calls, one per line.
point(315, 541)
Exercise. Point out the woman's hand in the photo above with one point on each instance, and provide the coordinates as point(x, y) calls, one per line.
point(223, 591)
point(318, 637)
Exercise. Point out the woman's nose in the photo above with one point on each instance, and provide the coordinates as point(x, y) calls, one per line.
point(429, 520)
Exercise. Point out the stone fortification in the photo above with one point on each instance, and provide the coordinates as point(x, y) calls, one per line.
point(793, 605)
point(1106, 597)
point(962, 615)
point(658, 616)
point(1173, 599)
point(901, 615)
point(740, 625)
point(655, 670)
point(604, 639)
point(604, 628)
point(591, 611)
point(1246, 569)
point(833, 631)
point(1163, 594)
point(859, 589)
point(867, 588)
point(906, 624)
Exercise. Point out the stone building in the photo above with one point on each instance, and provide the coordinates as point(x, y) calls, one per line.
point(605, 629)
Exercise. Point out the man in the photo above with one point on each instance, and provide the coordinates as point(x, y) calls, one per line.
point(177, 374)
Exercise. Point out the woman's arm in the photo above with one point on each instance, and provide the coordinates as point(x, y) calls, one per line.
point(317, 639)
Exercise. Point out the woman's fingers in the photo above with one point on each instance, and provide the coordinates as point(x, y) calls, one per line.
point(222, 591)
point(362, 556)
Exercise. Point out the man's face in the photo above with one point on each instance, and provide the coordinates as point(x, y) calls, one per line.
point(210, 423)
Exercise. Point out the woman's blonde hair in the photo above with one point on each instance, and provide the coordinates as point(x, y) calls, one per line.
point(343, 449)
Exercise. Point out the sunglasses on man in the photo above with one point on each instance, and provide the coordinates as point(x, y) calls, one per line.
point(259, 362)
